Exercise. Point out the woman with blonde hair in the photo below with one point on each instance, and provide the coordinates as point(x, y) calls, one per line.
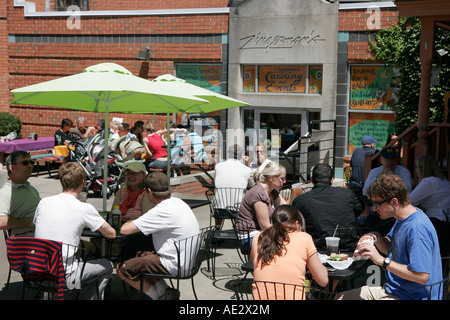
point(260, 201)
point(432, 194)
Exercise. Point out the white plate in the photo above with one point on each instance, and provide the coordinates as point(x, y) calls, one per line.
point(339, 265)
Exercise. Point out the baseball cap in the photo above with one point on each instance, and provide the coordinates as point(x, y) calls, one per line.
point(388, 153)
point(157, 182)
point(368, 139)
point(137, 166)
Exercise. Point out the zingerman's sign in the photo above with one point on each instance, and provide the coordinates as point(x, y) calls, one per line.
point(279, 41)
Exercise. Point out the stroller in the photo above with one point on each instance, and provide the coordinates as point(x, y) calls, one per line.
point(126, 150)
point(90, 156)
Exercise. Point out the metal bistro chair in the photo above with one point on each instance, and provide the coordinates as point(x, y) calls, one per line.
point(248, 289)
point(6, 233)
point(48, 266)
point(191, 252)
point(442, 285)
point(224, 205)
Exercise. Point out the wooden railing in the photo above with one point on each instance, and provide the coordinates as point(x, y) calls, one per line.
point(438, 141)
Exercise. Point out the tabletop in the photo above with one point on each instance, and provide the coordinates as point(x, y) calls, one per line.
point(42, 143)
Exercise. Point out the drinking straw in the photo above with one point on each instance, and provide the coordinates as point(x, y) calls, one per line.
point(335, 230)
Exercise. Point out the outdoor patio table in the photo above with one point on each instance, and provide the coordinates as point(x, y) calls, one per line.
point(195, 203)
point(28, 145)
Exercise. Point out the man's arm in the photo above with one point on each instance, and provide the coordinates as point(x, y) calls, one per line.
point(107, 231)
point(7, 222)
point(129, 228)
point(401, 270)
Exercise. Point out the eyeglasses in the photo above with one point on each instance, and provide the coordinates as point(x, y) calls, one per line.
point(282, 178)
point(379, 203)
point(26, 162)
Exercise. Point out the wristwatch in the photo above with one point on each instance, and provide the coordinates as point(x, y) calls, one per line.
point(387, 261)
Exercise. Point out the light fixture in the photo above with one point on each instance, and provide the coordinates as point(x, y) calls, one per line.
point(144, 54)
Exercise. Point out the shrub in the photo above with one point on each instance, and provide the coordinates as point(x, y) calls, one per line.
point(9, 123)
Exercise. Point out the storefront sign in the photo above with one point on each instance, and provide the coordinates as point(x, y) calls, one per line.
point(205, 76)
point(282, 79)
point(374, 87)
point(375, 125)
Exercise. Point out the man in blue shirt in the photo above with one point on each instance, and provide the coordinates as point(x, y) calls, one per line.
point(411, 249)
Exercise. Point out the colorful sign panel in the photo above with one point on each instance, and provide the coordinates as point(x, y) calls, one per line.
point(205, 76)
point(376, 125)
point(249, 78)
point(374, 87)
point(282, 79)
point(315, 79)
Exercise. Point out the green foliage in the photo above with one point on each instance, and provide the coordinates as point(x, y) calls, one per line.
point(400, 46)
point(9, 123)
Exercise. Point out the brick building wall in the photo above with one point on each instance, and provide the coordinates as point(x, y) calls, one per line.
point(356, 29)
point(37, 49)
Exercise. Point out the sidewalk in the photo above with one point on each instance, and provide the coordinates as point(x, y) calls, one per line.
point(227, 260)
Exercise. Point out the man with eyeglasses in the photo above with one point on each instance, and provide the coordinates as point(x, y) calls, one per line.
point(389, 162)
point(409, 252)
point(18, 199)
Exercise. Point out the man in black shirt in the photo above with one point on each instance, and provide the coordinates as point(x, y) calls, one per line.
point(326, 207)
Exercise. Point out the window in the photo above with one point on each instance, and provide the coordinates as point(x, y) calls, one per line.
point(63, 5)
point(283, 78)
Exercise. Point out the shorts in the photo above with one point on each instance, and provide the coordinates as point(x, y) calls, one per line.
point(145, 261)
point(366, 293)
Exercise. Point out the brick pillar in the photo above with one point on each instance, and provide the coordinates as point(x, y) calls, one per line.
point(4, 74)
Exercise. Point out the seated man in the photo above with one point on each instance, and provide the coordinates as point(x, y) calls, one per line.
point(15, 213)
point(325, 207)
point(411, 247)
point(63, 217)
point(389, 160)
point(170, 220)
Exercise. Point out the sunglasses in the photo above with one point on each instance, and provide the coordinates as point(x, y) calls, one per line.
point(379, 203)
point(26, 162)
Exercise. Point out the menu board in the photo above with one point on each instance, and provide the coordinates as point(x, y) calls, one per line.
point(282, 79)
point(205, 76)
point(374, 87)
point(376, 125)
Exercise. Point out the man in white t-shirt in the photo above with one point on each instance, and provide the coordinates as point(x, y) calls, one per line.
point(232, 173)
point(63, 217)
point(170, 220)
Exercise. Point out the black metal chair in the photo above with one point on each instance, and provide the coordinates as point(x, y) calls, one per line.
point(442, 285)
point(49, 267)
point(6, 233)
point(191, 252)
point(224, 205)
point(248, 289)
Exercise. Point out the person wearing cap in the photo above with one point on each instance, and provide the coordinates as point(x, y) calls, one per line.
point(130, 198)
point(170, 220)
point(357, 163)
point(389, 161)
point(133, 203)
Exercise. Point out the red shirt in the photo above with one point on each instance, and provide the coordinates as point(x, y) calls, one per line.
point(155, 144)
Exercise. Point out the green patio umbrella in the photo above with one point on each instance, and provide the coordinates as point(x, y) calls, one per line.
point(104, 88)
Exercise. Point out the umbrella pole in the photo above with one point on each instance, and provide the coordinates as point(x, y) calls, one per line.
point(168, 147)
point(105, 154)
